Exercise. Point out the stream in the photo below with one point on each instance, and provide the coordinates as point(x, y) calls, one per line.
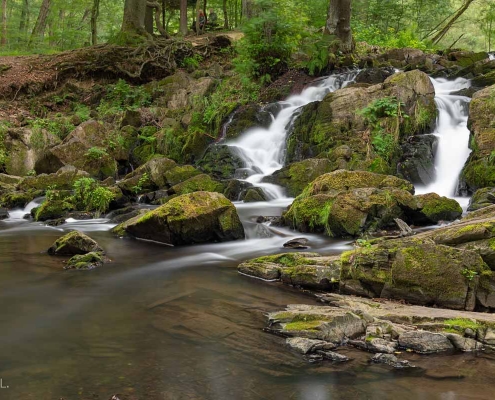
point(181, 323)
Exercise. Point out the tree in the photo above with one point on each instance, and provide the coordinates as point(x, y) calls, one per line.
point(183, 17)
point(40, 26)
point(4, 22)
point(134, 16)
point(338, 25)
point(439, 36)
point(95, 11)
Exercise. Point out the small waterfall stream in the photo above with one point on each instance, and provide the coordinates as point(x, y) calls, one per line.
point(453, 137)
point(263, 150)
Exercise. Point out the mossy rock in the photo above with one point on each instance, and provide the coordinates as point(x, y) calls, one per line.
point(436, 275)
point(309, 214)
point(19, 199)
point(463, 233)
point(53, 209)
point(297, 176)
point(482, 198)
point(221, 161)
point(436, 208)
point(63, 179)
point(86, 261)
point(467, 58)
point(253, 195)
point(74, 243)
point(180, 174)
point(342, 180)
point(198, 217)
point(198, 183)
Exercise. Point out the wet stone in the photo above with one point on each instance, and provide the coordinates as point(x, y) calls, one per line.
point(391, 360)
point(298, 243)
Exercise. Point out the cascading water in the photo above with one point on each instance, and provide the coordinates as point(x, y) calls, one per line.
point(262, 150)
point(491, 56)
point(453, 137)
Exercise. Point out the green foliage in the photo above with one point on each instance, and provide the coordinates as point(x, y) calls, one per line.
point(90, 196)
point(318, 50)
point(122, 96)
point(469, 274)
point(143, 181)
point(4, 126)
point(148, 137)
point(192, 63)
point(270, 39)
point(59, 127)
point(82, 111)
point(96, 153)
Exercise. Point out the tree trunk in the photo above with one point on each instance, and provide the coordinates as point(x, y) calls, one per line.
point(247, 9)
point(95, 12)
point(40, 26)
point(439, 36)
point(4, 23)
point(148, 20)
point(198, 7)
point(24, 17)
point(225, 15)
point(183, 17)
point(154, 5)
point(134, 15)
point(339, 25)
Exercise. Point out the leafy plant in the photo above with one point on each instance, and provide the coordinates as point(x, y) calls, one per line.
point(90, 196)
point(143, 181)
point(122, 96)
point(96, 153)
point(192, 63)
point(60, 127)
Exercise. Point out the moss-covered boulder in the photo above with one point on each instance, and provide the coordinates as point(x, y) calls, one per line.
point(434, 208)
point(18, 199)
point(308, 270)
point(52, 209)
point(417, 163)
point(349, 203)
point(253, 194)
point(197, 217)
point(221, 161)
point(337, 120)
point(86, 149)
point(467, 58)
point(482, 198)
point(479, 171)
point(295, 177)
point(63, 179)
point(197, 183)
point(74, 243)
point(86, 261)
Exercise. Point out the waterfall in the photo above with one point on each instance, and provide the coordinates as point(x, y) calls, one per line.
point(491, 56)
point(263, 150)
point(453, 136)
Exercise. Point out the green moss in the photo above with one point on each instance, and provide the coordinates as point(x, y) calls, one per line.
point(52, 210)
point(462, 324)
point(288, 260)
point(85, 261)
point(180, 174)
point(303, 326)
point(198, 183)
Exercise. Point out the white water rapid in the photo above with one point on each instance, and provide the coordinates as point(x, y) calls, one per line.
point(491, 56)
point(263, 150)
point(453, 137)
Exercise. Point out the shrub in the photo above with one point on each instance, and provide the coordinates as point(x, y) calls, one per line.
point(90, 196)
point(122, 96)
point(96, 153)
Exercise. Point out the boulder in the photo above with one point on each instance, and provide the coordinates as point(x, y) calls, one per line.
point(253, 194)
point(86, 261)
point(417, 163)
point(52, 209)
point(295, 177)
point(391, 360)
point(63, 179)
point(374, 75)
point(221, 161)
point(425, 342)
point(298, 243)
point(198, 183)
point(434, 208)
point(19, 199)
point(467, 58)
point(482, 198)
point(337, 120)
point(4, 214)
point(76, 149)
point(197, 217)
point(305, 345)
point(479, 171)
point(74, 243)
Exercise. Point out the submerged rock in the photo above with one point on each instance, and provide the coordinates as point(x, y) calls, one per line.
point(86, 261)
point(305, 345)
point(74, 243)
point(197, 217)
point(391, 360)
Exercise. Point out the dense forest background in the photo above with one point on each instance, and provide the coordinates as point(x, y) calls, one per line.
point(44, 26)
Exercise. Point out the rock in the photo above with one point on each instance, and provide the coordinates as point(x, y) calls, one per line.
point(323, 126)
point(417, 163)
point(405, 56)
point(198, 183)
point(467, 58)
point(425, 342)
point(19, 199)
point(463, 343)
point(63, 179)
point(74, 243)
point(305, 346)
point(52, 210)
point(374, 75)
point(375, 345)
point(131, 118)
point(333, 356)
point(391, 360)
point(297, 176)
point(244, 118)
point(10, 179)
point(434, 208)
point(253, 194)
point(86, 261)
point(56, 222)
point(76, 150)
point(308, 270)
point(235, 189)
point(298, 243)
point(482, 198)
point(4, 214)
point(124, 214)
point(192, 218)
point(221, 161)
point(479, 171)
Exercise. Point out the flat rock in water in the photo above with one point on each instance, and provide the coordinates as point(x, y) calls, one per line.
point(305, 346)
point(332, 356)
point(375, 345)
point(4, 214)
point(464, 343)
point(390, 359)
point(299, 243)
point(425, 342)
